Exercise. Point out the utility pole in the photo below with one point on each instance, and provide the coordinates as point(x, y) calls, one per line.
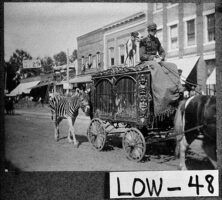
point(67, 71)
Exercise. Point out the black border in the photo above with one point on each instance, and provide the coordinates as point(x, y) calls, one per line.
point(87, 185)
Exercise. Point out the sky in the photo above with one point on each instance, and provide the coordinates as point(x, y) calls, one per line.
point(45, 29)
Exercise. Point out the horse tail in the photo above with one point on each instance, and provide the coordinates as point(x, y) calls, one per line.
point(179, 125)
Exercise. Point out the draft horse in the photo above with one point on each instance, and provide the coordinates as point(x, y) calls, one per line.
point(195, 116)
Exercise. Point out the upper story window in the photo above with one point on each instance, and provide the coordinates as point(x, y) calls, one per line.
point(158, 7)
point(210, 27)
point(122, 52)
point(98, 59)
point(190, 33)
point(82, 60)
point(83, 67)
point(93, 61)
point(90, 58)
point(173, 37)
point(111, 56)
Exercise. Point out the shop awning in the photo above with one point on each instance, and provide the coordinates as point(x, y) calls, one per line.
point(186, 65)
point(42, 83)
point(211, 80)
point(81, 79)
point(23, 88)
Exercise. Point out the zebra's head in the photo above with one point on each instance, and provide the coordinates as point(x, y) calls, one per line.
point(84, 102)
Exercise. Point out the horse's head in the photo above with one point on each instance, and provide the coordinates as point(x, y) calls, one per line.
point(84, 102)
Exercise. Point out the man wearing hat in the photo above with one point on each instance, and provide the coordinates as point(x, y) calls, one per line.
point(131, 48)
point(150, 46)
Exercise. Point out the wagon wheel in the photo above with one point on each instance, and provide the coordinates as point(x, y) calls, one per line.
point(96, 134)
point(134, 144)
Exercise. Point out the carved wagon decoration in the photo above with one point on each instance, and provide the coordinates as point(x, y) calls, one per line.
point(122, 100)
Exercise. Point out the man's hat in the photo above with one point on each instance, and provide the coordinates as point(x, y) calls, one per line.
point(135, 34)
point(152, 26)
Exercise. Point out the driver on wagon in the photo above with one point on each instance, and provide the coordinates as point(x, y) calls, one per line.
point(150, 46)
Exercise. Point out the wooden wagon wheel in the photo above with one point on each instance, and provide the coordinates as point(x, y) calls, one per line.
point(134, 144)
point(96, 134)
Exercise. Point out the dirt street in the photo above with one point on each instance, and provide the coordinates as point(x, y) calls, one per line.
point(30, 146)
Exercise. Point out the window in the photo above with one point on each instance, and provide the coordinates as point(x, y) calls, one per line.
point(98, 59)
point(159, 35)
point(121, 54)
point(83, 67)
point(82, 61)
point(210, 27)
point(111, 56)
point(173, 43)
point(90, 58)
point(93, 62)
point(190, 32)
point(112, 61)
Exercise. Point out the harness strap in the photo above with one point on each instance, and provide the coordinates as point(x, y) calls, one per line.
point(194, 128)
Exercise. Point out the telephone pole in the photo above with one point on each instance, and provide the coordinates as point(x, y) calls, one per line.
point(67, 71)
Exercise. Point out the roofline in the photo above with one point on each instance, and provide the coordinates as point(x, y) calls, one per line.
point(118, 22)
point(89, 33)
point(124, 20)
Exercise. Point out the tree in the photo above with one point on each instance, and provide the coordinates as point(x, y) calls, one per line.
point(17, 58)
point(73, 57)
point(16, 65)
point(47, 64)
point(60, 58)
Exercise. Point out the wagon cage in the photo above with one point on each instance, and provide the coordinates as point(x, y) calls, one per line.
point(122, 100)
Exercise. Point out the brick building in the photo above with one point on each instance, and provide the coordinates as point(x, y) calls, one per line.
point(186, 31)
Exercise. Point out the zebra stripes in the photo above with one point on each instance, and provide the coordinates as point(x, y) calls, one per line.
point(67, 108)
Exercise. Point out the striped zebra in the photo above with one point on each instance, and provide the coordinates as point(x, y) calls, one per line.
point(67, 108)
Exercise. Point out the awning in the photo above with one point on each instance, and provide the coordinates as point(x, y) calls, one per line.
point(211, 80)
point(41, 84)
point(23, 88)
point(81, 79)
point(186, 65)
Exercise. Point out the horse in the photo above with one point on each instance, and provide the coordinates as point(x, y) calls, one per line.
point(195, 116)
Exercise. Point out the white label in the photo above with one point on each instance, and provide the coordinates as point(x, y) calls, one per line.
point(144, 184)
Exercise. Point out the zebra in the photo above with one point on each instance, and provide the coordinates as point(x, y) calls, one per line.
point(63, 107)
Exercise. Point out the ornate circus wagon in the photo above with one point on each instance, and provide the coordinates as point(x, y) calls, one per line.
point(123, 100)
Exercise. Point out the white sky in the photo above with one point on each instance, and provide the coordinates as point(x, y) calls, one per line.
point(44, 29)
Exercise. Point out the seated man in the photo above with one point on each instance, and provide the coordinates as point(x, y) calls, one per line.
point(166, 85)
point(150, 46)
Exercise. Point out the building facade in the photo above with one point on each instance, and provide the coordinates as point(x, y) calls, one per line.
point(186, 31)
point(90, 52)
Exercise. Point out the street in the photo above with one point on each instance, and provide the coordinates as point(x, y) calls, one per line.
point(30, 146)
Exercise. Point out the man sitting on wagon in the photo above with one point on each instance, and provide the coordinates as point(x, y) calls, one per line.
point(166, 86)
point(150, 46)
